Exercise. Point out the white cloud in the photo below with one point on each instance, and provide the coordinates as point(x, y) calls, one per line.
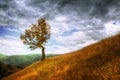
point(13, 46)
point(90, 29)
point(9, 37)
point(112, 28)
point(75, 38)
point(60, 18)
point(57, 49)
point(12, 29)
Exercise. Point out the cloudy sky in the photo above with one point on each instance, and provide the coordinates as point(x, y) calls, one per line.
point(74, 23)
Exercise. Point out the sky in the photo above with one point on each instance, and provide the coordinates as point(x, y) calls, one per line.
point(74, 23)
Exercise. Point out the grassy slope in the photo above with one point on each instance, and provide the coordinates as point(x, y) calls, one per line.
point(99, 61)
point(22, 60)
point(2, 55)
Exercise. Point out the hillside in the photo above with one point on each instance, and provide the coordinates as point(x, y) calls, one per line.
point(2, 55)
point(100, 61)
point(11, 64)
point(7, 69)
point(22, 60)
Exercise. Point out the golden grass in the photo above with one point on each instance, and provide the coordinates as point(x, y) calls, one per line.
point(100, 61)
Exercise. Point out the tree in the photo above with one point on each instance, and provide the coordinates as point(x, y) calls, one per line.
point(37, 36)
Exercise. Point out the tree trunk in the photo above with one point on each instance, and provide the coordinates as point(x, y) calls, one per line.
point(43, 53)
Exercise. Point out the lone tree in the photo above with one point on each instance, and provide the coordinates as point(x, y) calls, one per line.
point(37, 36)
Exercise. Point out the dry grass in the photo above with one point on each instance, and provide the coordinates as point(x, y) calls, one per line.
point(99, 61)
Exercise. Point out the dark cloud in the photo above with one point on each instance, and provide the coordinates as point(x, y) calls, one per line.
point(11, 12)
point(78, 21)
point(63, 3)
point(34, 3)
point(41, 4)
point(5, 11)
point(85, 9)
point(102, 8)
point(6, 4)
point(90, 8)
point(93, 13)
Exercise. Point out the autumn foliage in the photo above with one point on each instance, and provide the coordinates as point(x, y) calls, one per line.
point(37, 35)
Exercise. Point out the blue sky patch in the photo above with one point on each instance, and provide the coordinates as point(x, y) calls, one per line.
point(67, 33)
point(4, 31)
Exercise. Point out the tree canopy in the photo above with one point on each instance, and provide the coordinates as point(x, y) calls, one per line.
point(37, 35)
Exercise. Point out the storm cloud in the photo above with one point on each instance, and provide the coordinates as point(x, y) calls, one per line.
point(104, 10)
point(73, 22)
